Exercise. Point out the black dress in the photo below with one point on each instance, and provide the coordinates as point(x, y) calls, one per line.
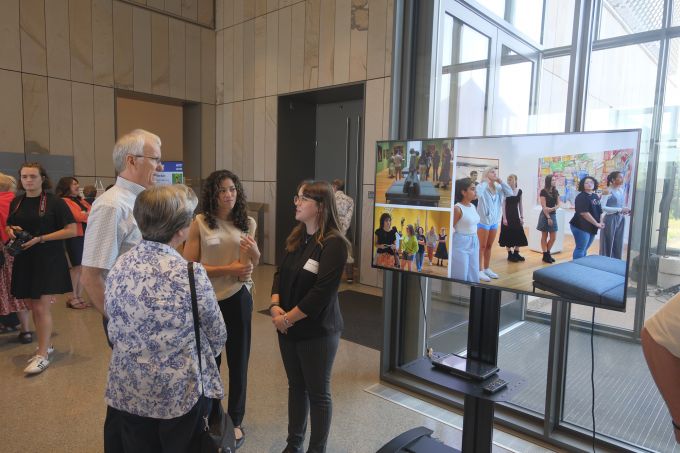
point(513, 235)
point(43, 268)
point(442, 253)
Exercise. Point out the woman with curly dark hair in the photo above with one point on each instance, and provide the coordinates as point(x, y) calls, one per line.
point(222, 239)
point(68, 188)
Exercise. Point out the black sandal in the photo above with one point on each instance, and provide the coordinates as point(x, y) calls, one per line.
point(25, 337)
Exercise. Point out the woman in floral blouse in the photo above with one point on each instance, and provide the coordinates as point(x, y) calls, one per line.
point(155, 391)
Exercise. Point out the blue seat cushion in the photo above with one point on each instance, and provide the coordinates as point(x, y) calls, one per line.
point(580, 281)
point(603, 263)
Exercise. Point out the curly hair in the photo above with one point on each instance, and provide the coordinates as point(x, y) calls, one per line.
point(63, 188)
point(211, 187)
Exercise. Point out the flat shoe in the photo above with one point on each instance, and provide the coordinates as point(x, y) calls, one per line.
point(25, 337)
point(239, 442)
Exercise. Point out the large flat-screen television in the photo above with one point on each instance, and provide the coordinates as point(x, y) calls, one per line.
point(542, 214)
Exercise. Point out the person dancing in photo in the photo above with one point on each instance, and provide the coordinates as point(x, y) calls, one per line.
point(490, 194)
point(512, 229)
point(465, 242)
point(445, 173)
point(614, 207)
point(420, 255)
point(547, 219)
point(587, 218)
point(431, 240)
point(386, 242)
point(442, 252)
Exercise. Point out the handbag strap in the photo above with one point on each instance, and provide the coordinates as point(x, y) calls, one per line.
point(194, 310)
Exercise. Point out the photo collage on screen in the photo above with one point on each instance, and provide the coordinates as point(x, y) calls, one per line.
point(412, 217)
point(501, 211)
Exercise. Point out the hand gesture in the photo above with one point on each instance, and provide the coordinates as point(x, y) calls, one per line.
point(11, 229)
point(240, 270)
point(280, 324)
point(600, 225)
point(249, 247)
point(28, 244)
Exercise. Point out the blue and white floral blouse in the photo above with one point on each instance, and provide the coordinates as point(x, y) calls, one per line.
point(154, 366)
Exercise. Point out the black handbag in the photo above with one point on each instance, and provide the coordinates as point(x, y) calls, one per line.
point(218, 433)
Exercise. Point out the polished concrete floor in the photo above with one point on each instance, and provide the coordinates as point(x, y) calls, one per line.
point(62, 409)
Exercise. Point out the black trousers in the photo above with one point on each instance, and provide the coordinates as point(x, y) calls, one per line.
point(308, 365)
point(128, 433)
point(237, 312)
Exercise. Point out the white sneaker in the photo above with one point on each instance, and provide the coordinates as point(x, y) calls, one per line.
point(38, 365)
point(50, 350)
point(483, 277)
point(490, 273)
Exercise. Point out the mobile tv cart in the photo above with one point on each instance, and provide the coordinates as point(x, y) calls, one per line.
point(483, 331)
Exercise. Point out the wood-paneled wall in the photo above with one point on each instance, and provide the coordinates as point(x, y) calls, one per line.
point(60, 61)
point(267, 48)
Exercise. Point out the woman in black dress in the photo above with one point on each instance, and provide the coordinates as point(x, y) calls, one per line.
point(442, 253)
point(40, 271)
point(512, 229)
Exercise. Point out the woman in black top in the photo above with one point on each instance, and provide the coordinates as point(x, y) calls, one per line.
point(587, 218)
point(306, 313)
point(512, 227)
point(40, 271)
point(547, 219)
point(386, 243)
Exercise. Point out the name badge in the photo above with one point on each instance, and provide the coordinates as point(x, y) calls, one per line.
point(312, 266)
point(213, 240)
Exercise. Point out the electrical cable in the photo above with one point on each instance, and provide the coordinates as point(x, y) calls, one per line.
point(592, 373)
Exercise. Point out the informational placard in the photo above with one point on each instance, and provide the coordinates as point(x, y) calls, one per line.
point(173, 173)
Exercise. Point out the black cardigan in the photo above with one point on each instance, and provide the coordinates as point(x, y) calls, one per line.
point(315, 294)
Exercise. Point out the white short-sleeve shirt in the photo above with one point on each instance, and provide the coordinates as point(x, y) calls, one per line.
point(111, 227)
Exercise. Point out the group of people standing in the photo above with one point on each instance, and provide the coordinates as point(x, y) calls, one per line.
point(400, 249)
point(479, 208)
point(428, 164)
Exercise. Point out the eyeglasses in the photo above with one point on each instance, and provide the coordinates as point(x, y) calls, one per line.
point(155, 160)
point(298, 199)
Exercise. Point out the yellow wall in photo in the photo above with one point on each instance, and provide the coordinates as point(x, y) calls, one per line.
point(413, 216)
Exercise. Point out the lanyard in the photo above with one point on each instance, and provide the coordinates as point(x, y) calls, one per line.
point(43, 204)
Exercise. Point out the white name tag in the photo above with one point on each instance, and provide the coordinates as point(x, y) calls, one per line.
point(213, 240)
point(312, 266)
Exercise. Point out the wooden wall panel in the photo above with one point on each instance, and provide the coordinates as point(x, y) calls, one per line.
point(123, 61)
point(219, 136)
point(297, 47)
point(229, 64)
point(388, 37)
point(260, 64)
point(207, 66)
point(227, 148)
point(238, 62)
point(82, 99)
point(104, 130)
point(10, 36)
point(283, 73)
point(160, 57)
point(377, 30)
point(271, 120)
point(260, 131)
point(272, 53)
point(343, 25)
point(80, 20)
point(248, 9)
point(36, 114)
point(219, 15)
point(228, 13)
point(174, 7)
point(57, 39)
point(193, 62)
point(141, 43)
point(60, 117)
point(311, 67)
point(206, 15)
point(32, 28)
point(373, 125)
point(207, 139)
point(248, 139)
point(177, 58)
point(387, 102)
point(326, 42)
point(11, 112)
point(238, 11)
point(102, 42)
point(190, 9)
point(237, 138)
point(358, 41)
point(269, 253)
point(249, 59)
point(260, 7)
point(272, 5)
point(219, 69)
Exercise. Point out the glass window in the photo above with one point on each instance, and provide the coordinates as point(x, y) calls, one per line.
point(676, 13)
point(512, 103)
point(558, 23)
point(495, 6)
point(625, 17)
point(553, 89)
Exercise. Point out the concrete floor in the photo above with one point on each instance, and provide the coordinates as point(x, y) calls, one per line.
point(62, 409)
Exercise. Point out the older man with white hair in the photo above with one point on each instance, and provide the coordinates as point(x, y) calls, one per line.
point(111, 228)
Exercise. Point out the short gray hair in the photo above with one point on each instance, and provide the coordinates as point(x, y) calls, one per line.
point(132, 144)
point(162, 211)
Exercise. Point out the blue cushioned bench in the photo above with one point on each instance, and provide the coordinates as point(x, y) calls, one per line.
point(595, 280)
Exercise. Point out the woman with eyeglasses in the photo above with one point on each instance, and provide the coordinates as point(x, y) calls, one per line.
point(221, 238)
point(306, 313)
